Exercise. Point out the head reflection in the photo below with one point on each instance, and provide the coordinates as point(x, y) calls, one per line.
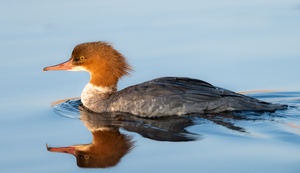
point(108, 146)
point(106, 150)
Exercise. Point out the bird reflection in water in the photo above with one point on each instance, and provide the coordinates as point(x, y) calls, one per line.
point(109, 145)
point(106, 150)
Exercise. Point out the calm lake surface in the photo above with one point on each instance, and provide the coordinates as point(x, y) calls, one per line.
point(241, 46)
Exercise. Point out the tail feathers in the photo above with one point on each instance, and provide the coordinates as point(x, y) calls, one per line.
point(258, 105)
point(245, 103)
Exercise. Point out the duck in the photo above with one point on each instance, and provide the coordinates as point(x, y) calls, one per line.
point(160, 97)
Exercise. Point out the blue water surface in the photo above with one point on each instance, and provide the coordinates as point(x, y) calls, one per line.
point(242, 46)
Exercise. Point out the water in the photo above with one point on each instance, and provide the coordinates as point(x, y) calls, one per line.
point(241, 46)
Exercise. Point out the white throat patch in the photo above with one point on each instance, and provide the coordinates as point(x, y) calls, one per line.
point(78, 68)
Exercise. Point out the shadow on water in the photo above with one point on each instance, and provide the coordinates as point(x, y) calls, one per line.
point(109, 144)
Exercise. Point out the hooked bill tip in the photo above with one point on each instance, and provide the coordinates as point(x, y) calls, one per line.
point(44, 69)
point(47, 146)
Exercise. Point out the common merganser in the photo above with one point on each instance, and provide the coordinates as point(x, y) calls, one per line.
point(166, 96)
